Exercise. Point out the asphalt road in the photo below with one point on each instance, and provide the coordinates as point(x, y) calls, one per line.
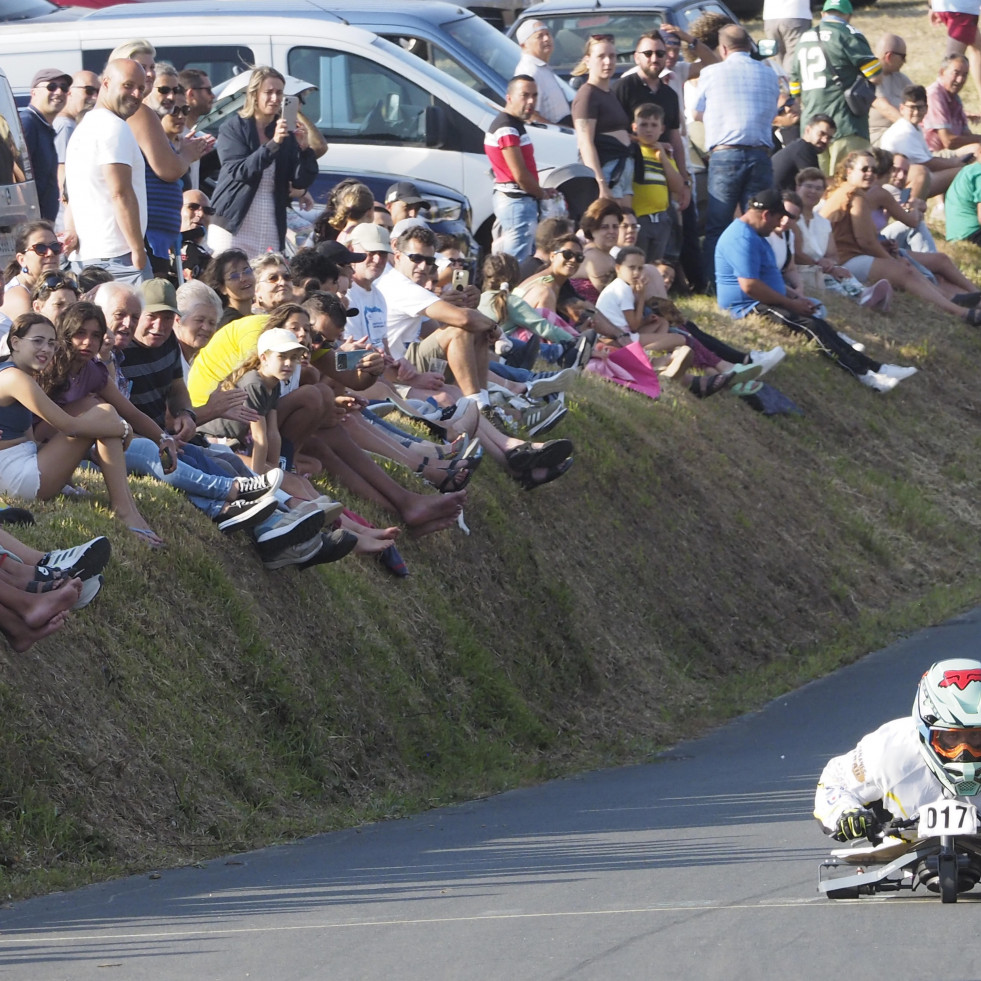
point(700, 865)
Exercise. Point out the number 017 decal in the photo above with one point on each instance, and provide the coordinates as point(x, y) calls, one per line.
point(947, 817)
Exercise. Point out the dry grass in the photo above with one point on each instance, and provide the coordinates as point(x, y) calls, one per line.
point(698, 559)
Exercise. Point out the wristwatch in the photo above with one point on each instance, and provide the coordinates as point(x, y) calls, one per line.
point(191, 413)
point(692, 45)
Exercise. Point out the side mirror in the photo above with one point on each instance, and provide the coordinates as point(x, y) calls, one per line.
point(767, 47)
point(437, 129)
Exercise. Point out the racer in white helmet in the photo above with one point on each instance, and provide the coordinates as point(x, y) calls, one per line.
point(910, 762)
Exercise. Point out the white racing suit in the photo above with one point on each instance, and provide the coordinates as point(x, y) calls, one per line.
point(885, 772)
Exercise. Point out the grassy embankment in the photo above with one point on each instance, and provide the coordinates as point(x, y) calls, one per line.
point(698, 560)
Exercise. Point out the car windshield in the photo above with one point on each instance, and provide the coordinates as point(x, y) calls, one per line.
point(486, 44)
point(572, 30)
point(21, 9)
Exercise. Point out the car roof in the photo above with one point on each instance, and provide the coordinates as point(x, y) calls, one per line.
point(581, 6)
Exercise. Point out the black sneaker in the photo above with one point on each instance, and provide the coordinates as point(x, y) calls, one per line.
point(334, 545)
point(290, 530)
point(252, 488)
point(82, 561)
point(245, 513)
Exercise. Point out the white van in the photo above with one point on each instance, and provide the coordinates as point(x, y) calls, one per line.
point(18, 195)
point(379, 107)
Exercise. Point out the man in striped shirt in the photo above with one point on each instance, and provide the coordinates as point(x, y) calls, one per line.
point(512, 157)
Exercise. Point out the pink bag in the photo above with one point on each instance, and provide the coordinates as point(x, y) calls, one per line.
point(628, 366)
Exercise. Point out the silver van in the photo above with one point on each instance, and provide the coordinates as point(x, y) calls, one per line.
point(379, 107)
point(18, 196)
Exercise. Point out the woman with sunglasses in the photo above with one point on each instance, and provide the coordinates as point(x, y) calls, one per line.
point(860, 250)
point(31, 471)
point(165, 198)
point(53, 295)
point(263, 162)
point(601, 123)
point(37, 253)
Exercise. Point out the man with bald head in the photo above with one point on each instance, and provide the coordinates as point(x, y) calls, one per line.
point(105, 177)
point(891, 52)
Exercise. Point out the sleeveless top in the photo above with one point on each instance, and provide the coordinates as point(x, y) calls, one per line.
point(15, 419)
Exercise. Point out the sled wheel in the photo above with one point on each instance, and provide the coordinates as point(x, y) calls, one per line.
point(947, 867)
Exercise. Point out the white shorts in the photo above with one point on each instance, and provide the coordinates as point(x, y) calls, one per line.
point(19, 474)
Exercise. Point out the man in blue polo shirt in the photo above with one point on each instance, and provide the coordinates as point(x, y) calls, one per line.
point(49, 92)
point(749, 281)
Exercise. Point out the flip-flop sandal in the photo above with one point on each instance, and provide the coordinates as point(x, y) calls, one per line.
point(150, 537)
point(705, 386)
point(746, 388)
point(746, 372)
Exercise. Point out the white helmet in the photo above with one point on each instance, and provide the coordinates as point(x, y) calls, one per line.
point(947, 713)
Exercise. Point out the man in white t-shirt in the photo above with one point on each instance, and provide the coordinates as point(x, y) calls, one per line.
point(104, 177)
point(537, 45)
point(462, 335)
point(928, 175)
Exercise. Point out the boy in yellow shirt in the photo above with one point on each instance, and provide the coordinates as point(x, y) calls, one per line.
point(655, 184)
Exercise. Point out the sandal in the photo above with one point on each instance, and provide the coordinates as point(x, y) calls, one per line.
point(704, 386)
point(526, 457)
point(43, 573)
point(149, 536)
point(745, 388)
point(528, 482)
point(457, 475)
point(36, 586)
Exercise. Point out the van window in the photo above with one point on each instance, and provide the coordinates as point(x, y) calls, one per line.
point(358, 99)
point(219, 63)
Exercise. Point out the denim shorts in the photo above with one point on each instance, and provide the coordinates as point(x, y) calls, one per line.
point(624, 187)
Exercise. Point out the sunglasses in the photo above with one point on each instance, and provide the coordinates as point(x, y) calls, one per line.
point(653, 53)
point(178, 110)
point(206, 208)
point(170, 90)
point(277, 277)
point(87, 89)
point(57, 87)
point(52, 283)
point(43, 248)
point(415, 258)
point(459, 263)
point(236, 276)
point(569, 255)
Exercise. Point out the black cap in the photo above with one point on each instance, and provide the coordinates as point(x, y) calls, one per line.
point(769, 200)
point(340, 254)
point(406, 192)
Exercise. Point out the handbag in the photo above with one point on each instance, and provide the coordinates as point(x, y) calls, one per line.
point(860, 95)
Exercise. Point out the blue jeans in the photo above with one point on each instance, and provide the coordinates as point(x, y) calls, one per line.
point(734, 176)
point(519, 219)
point(120, 267)
point(205, 491)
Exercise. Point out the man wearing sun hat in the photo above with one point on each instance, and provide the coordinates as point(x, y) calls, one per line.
point(49, 92)
point(537, 45)
point(828, 60)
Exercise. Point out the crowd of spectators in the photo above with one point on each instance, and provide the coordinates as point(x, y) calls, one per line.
point(159, 320)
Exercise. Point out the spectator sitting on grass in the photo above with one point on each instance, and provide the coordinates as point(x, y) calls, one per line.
point(30, 471)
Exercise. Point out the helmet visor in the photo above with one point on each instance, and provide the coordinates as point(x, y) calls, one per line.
point(957, 744)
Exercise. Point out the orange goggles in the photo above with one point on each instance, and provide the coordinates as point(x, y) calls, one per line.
point(956, 744)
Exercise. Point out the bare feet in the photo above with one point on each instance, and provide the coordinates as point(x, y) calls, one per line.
point(22, 637)
point(39, 608)
point(369, 545)
point(426, 514)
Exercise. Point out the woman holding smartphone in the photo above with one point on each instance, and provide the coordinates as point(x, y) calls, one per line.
point(262, 161)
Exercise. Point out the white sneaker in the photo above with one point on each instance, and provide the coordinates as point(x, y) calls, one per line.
point(294, 554)
point(899, 372)
point(768, 360)
point(878, 381)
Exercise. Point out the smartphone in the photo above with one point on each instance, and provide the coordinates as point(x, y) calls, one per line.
point(346, 360)
point(460, 279)
point(291, 106)
point(904, 195)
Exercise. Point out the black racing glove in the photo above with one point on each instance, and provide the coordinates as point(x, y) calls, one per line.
point(855, 823)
